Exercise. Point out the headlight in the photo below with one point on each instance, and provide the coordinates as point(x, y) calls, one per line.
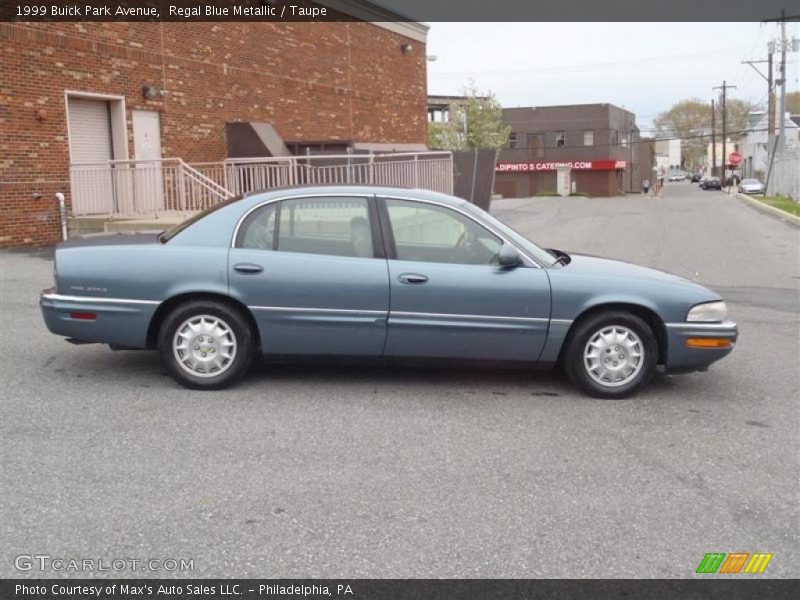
point(710, 312)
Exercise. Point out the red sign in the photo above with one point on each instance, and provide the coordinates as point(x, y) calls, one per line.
point(533, 166)
point(734, 158)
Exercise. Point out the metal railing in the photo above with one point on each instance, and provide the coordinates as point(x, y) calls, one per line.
point(147, 187)
point(427, 170)
point(141, 187)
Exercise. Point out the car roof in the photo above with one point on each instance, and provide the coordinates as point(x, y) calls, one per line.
point(256, 197)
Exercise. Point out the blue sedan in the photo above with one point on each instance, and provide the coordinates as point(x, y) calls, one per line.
point(380, 274)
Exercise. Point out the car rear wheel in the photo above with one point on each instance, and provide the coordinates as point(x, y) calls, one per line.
point(206, 344)
point(611, 355)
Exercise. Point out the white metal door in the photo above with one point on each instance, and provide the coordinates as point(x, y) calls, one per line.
point(90, 150)
point(149, 179)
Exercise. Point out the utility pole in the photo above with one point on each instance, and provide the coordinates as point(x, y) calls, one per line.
point(770, 100)
point(781, 145)
point(782, 134)
point(713, 140)
point(724, 87)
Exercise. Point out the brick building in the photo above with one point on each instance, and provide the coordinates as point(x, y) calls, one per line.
point(600, 141)
point(88, 92)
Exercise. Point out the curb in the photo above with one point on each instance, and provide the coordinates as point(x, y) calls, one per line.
point(767, 208)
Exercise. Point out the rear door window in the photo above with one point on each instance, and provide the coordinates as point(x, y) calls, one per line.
point(336, 226)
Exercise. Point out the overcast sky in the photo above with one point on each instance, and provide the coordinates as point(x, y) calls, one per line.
point(644, 67)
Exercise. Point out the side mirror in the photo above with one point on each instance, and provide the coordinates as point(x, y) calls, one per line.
point(508, 256)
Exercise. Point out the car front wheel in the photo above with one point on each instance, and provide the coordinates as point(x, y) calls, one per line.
point(611, 355)
point(206, 344)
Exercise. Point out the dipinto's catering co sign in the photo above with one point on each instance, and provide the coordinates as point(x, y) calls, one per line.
point(532, 166)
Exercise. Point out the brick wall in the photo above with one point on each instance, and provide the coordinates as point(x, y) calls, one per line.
point(312, 81)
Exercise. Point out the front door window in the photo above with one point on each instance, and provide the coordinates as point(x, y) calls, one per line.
point(430, 233)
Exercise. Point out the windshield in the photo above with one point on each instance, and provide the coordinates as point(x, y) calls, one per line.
point(542, 256)
point(751, 182)
point(173, 231)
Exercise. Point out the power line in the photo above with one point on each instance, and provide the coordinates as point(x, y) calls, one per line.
point(583, 67)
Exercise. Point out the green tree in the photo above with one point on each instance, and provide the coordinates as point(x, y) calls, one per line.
point(736, 116)
point(475, 122)
point(687, 120)
point(690, 120)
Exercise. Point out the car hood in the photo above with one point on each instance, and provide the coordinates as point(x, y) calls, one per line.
point(112, 239)
point(607, 268)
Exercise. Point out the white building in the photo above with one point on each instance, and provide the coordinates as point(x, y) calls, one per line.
point(669, 158)
point(755, 144)
point(730, 146)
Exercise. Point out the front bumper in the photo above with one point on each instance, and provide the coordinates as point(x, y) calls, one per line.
point(682, 358)
point(117, 322)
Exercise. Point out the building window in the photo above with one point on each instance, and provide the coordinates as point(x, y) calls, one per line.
point(588, 137)
point(625, 140)
point(614, 137)
point(438, 115)
point(561, 139)
point(512, 140)
point(536, 145)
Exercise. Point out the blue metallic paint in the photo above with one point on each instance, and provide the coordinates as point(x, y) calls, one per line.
point(297, 282)
point(117, 323)
point(518, 299)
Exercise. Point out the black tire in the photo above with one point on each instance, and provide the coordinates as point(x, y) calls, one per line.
point(239, 331)
point(586, 329)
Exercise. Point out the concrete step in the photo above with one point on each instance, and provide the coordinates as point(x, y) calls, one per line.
point(141, 224)
point(85, 225)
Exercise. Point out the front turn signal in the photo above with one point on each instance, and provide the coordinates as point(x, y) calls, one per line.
point(708, 343)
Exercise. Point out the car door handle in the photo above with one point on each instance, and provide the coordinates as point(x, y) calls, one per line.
point(248, 268)
point(412, 278)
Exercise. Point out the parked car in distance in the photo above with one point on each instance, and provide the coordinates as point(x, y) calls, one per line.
point(696, 178)
point(712, 183)
point(751, 186)
point(377, 274)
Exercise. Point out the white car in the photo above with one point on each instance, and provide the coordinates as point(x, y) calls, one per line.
point(751, 186)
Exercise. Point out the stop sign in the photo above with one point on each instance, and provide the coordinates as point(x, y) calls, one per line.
point(734, 158)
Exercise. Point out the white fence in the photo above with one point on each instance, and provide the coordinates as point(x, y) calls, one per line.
point(144, 187)
point(784, 180)
point(134, 188)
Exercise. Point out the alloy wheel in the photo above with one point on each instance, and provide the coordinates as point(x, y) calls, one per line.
point(204, 346)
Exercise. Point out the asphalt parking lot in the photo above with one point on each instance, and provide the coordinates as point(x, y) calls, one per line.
point(305, 471)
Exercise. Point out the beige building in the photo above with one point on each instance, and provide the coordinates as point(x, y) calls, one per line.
point(730, 146)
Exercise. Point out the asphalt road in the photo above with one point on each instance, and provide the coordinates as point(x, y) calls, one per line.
point(354, 472)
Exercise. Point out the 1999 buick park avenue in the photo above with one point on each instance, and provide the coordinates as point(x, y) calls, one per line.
point(382, 274)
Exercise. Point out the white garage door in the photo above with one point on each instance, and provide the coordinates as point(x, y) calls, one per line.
point(90, 148)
